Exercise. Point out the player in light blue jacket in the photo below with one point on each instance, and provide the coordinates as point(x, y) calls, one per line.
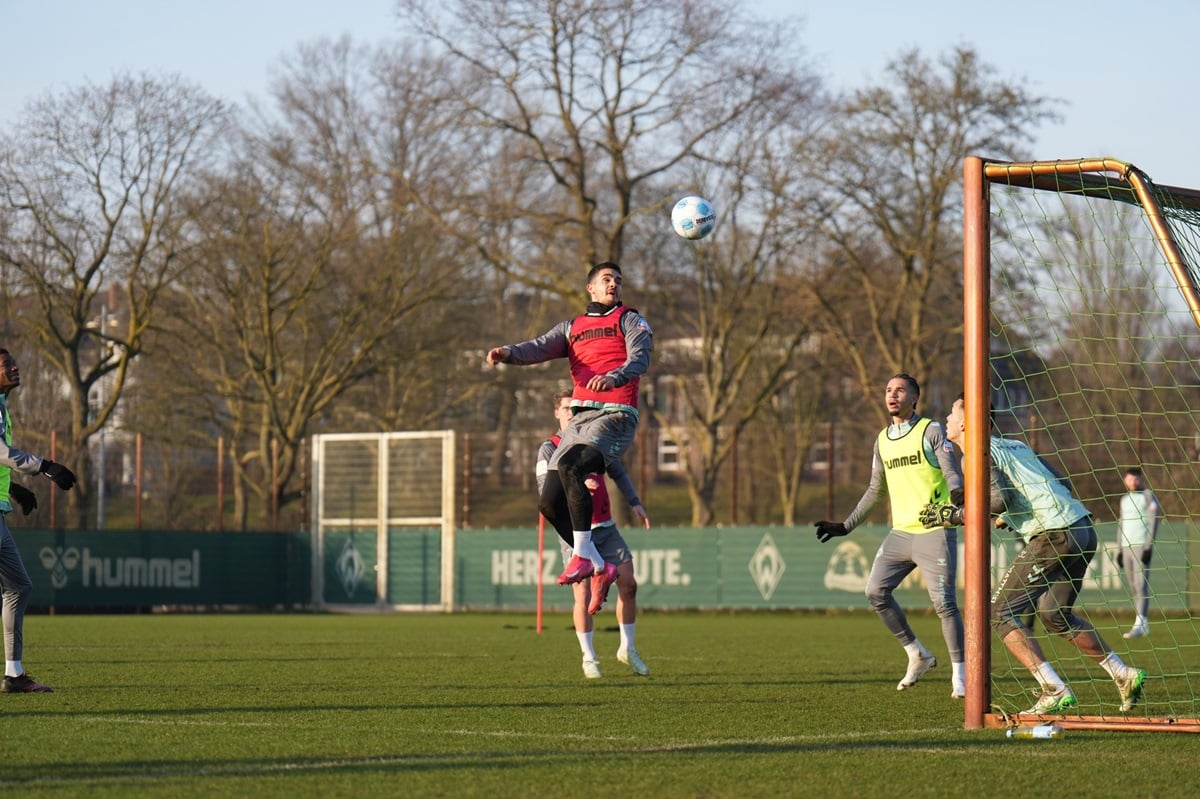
point(1035, 501)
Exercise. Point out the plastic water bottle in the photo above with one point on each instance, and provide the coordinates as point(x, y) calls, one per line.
point(1043, 731)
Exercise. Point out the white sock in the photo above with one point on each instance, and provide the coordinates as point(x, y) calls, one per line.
point(1048, 677)
point(627, 636)
point(12, 668)
point(958, 671)
point(916, 650)
point(1114, 665)
point(584, 548)
point(586, 645)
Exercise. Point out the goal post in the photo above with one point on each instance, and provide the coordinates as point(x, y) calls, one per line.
point(383, 530)
point(1082, 328)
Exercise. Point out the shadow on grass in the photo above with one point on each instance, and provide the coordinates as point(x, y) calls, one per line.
point(76, 774)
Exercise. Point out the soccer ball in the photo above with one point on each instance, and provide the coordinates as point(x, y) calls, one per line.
point(693, 217)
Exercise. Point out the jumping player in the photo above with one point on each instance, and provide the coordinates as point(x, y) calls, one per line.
point(608, 348)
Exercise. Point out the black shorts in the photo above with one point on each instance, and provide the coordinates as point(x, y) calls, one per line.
point(1046, 577)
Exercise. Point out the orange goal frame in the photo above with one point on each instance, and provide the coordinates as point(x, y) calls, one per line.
point(1101, 177)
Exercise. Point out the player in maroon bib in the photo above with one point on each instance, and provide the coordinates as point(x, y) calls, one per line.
point(608, 348)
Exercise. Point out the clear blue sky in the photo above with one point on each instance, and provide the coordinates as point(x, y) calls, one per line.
point(1081, 51)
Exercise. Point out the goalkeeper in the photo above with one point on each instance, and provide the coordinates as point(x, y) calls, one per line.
point(912, 463)
point(1047, 574)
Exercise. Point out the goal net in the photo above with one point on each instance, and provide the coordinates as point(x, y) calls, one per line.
point(1082, 329)
point(383, 521)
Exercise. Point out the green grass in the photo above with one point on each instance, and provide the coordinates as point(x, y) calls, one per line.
point(745, 705)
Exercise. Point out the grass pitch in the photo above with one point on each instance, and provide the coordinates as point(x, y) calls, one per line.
point(745, 705)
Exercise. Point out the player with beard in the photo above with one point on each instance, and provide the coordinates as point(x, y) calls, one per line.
point(608, 348)
point(914, 465)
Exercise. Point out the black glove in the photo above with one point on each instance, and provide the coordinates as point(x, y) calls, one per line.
point(934, 515)
point(958, 496)
point(24, 497)
point(1146, 553)
point(63, 477)
point(1120, 560)
point(828, 530)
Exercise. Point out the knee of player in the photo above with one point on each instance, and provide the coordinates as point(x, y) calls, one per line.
point(878, 595)
point(1003, 622)
point(945, 608)
point(580, 462)
point(627, 585)
point(1059, 623)
point(23, 589)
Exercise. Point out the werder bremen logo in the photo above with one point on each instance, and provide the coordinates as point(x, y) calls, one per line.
point(767, 566)
point(350, 567)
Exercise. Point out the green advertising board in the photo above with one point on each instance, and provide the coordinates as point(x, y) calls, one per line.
point(765, 568)
point(676, 568)
point(126, 569)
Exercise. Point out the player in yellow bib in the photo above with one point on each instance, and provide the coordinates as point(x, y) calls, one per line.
point(913, 464)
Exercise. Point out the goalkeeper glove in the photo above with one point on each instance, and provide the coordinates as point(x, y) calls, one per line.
point(933, 515)
point(958, 496)
point(1146, 553)
point(63, 477)
point(828, 530)
point(23, 497)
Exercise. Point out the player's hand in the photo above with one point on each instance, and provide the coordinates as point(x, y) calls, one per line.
point(640, 512)
point(1120, 559)
point(958, 496)
point(934, 515)
point(63, 477)
point(23, 497)
point(828, 530)
point(1146, 553)
point(603, 382)
point(498, 355)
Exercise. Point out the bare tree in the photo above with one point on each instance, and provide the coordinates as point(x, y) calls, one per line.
point(890, 173)
point(312, 265)
point(1107, 313)
point(593, 118)
point(739, 322)
point(579, 110)
point(794, 418)
point(90, 183)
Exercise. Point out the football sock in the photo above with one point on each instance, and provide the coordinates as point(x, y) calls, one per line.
point(586, 645)
point(584, 548)
point(627, 636)
point(1047, 676)
point(1114, 665)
